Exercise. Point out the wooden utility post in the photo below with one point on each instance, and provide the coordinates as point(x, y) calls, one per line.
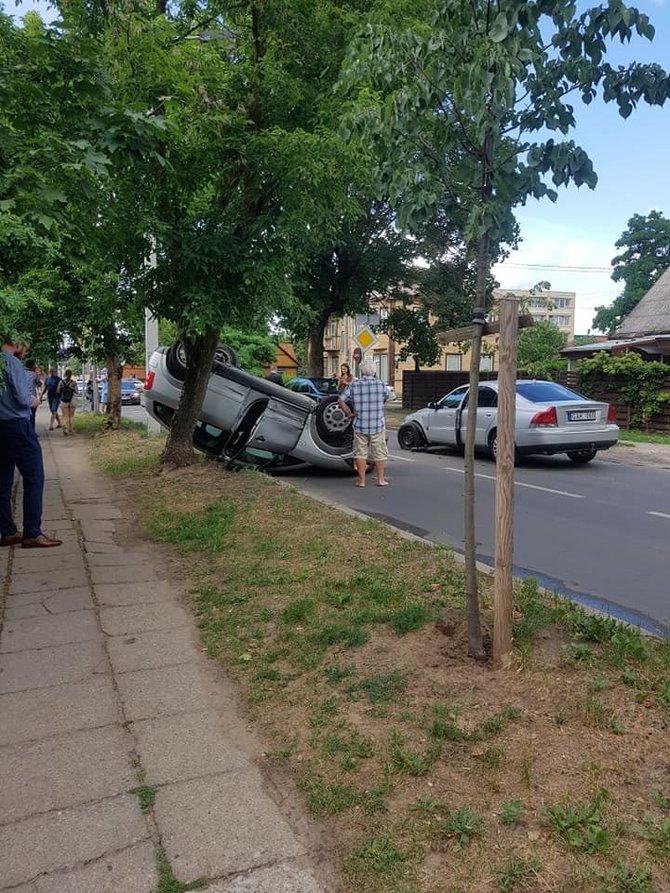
point(504, 511)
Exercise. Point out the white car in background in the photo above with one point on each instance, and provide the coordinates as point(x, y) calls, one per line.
point(549, 419)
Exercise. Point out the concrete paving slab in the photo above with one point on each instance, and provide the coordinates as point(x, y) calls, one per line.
point(188, 745)
point(149, 693)
point(66, 771)
point(121, 594)
point(154, 649)
point(28, 715)
point(142, 618)
point(277, 879)
point(95, 512)
point(43, 581)
point(42, 632)
point(107, 559)
point(25, 598)
point(24, 670)
point(103, 548)
point(20, 612)
point(50, 562)
point(24, 888)
point(63, 839)
point(132, 574)
point(131, 871)
point(221, 824)
point(77, 599)
point(62, 524)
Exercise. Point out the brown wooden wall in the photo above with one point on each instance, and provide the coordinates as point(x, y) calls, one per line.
point(420, 388)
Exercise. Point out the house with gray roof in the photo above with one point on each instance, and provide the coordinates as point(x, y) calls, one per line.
point(646, 329)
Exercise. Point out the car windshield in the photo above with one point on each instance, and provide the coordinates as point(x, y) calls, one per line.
point(326, 385)
point(546, 392)
point(128, 385)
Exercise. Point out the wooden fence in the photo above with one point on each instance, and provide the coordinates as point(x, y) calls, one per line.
point(420, 388)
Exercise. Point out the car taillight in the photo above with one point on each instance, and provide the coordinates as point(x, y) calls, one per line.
point(611, 415)
point(150, 381)
point(545, 419)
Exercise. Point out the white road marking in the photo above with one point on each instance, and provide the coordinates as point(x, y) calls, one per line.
point(401, 458)
point(492, 477)
point(659, 515)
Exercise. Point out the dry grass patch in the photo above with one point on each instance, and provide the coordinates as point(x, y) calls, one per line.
point(432, 772)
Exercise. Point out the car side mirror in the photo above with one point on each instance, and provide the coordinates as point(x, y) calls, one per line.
point(432, 405)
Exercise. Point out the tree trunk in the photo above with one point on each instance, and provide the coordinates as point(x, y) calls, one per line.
point(475, 643)
point(200, 350)
point(113, 410)
point(315, 347)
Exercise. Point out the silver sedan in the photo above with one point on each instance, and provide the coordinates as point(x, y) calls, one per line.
point(549, 419)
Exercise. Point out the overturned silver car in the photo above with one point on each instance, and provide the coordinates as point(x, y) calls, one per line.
point(246, 420)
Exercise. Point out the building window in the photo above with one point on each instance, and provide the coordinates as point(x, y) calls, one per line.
point(383, 313)
point(561, 321)
point(381, 362)
point(452, 362)
point(486, 364)
point(562, 303)
point(539, 317)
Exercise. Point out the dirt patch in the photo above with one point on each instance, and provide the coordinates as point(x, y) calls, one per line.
point(653, 455)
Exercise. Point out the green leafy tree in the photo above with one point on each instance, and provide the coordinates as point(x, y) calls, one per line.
point(413, 329)
point(538, 350)
point(451, 111)
point(645, 256)
point(255, 350)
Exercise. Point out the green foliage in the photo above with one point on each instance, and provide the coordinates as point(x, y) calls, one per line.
point(657, 835)
point(646, 255)
point(416, 333)
point(462, 825)
point(380, 689)
point(510, 812)
point(640, 383)
point(581, 827)
point(538, 350)
point(254, 349)
point(625, 878)
point(517, 874)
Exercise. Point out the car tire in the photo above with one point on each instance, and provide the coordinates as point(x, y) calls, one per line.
point(581, 457)
point(332, 423)
point(175, 358)
point(409, 437)
point(493, 447)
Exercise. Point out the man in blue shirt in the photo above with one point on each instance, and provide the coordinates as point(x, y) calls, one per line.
point(51, 389)
point(19, 448)
point(367, 395)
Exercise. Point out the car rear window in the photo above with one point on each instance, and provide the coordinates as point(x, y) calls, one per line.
point(546, 392)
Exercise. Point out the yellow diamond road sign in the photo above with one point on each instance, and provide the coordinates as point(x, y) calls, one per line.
point(366, 338)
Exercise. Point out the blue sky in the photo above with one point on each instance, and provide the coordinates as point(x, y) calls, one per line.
point(631, 158)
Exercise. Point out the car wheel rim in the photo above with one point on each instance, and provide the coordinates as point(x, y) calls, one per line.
point(181, 355)
point(335, 419)
point(407, 438)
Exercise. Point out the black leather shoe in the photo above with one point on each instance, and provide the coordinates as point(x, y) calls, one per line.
point(12, 540)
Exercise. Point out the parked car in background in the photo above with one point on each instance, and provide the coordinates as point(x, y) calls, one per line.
point(549, 419)
point(246, 420)
point(130, 392)
point(317, 388)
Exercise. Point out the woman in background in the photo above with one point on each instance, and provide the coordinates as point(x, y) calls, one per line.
point(345, 378)
point(67, 391)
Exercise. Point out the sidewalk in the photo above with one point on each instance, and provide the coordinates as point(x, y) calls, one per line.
point(107, 705)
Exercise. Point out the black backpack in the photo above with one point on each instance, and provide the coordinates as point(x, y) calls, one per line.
point(67, 393)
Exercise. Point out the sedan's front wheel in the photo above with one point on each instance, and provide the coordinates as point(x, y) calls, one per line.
point(409, 437)
point(581, 457)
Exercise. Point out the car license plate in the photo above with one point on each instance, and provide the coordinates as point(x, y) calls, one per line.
point(586, 415)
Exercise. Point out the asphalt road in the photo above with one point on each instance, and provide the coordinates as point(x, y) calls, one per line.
point(598, 533)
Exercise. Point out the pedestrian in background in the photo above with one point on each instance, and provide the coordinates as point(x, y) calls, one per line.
point(19, 448)
point(274, 375)
point(367, 396)
point(50, 388)
point(67, 391)
point(345, 377)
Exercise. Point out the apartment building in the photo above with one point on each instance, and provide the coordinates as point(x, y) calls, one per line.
point(557, 307)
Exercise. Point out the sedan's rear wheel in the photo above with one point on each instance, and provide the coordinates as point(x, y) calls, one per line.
point(175, 358)
point(581, 457)
point(409, 437)
point(332, 423)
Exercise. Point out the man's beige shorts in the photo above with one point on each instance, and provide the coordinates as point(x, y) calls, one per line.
point(370, 446)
